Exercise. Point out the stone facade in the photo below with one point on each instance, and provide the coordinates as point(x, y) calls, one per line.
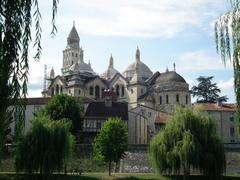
point(225, 119)
point(146, 93)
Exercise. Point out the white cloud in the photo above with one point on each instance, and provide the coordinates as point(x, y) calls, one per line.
point(226, 85)
point(200, 60)
point(141, 18)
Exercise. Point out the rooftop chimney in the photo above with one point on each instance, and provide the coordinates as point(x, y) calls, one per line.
point(109, 96)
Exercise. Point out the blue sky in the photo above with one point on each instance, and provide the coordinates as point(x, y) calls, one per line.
point(166, 31)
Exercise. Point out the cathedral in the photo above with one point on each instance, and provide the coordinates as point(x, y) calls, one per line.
point(150, 96)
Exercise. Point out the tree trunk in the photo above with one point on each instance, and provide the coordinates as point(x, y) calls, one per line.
point(186, 175)
point(109, 168)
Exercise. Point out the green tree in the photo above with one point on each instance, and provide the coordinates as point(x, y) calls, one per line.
point(188, 140)
point(206, 91)
point(16, 18)
point(111, 142)
point(45, 147)
point(227, 29)
point(64, 106)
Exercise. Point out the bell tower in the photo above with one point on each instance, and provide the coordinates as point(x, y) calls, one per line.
point(73, 53)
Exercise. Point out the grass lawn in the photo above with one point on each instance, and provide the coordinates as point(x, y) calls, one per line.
point(101, 176)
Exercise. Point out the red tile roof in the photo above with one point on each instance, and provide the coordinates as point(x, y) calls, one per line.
point(38, 101)
point(44, 100)
point(161, 118)
point(216, 107)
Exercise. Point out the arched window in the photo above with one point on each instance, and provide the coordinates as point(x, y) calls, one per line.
point(52, 92)
point(57, 89)
point(97, 91)
point(61, 89)
point(167, 100)
point(177, 98)
point(117, 90)
point(91, 91)
point(79, 92)
point(160, 100)
point(131, 91)
point(123, 90)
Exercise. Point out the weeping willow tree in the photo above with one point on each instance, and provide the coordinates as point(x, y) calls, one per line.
point(16, 19)
point(46, 146)
point(227, 36)
point(189, 140)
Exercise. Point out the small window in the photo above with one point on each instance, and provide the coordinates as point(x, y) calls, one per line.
point(160, 100)
point(61, 89)
point(69, 91)
point(97, 91)
point(232, 131)
point(98, 124)
point(79, 91)
point(52, 91)
point(167, 100)
point(149, 114)
point(122, 90)
point(57, 89)
point(117, 90)
point(72, 54)
point(76, 55)
point(231, 118)
point(91, 91)
point(186, 99)
point(131, 91)
point(141, 91)
point(177, 98)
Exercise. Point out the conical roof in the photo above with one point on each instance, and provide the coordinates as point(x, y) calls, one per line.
point(73, 38)
point(111, 71)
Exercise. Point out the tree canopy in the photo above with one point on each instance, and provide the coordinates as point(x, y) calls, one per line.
point(206, 91)
point(111, 142)
point(16, 19)
point(65, 106)
point(45, 147)
point(227, 28)
point(189, 140)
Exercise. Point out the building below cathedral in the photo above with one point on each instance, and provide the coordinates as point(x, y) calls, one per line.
point(146, 93)
point(141, 98)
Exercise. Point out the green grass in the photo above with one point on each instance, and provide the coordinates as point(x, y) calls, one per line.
point(101, 176)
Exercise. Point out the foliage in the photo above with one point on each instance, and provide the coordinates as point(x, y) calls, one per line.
point(227, 29)
point(206, 91)
point(188, 140)
point(111, 142)
point(64, 106)
point(45, 147)
point(16, 18)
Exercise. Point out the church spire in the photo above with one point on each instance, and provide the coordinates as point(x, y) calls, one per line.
point(137, 55)
point(110, 62)
point(52, 74)
point(73, 38)
point(174, 67)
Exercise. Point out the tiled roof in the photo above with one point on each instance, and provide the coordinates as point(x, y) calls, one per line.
point(44, 100)
point(161, 118)
point(98, 109)
point(216, 107)
point(38, 101)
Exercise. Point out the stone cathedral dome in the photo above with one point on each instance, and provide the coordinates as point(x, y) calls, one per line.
point(143, 70)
